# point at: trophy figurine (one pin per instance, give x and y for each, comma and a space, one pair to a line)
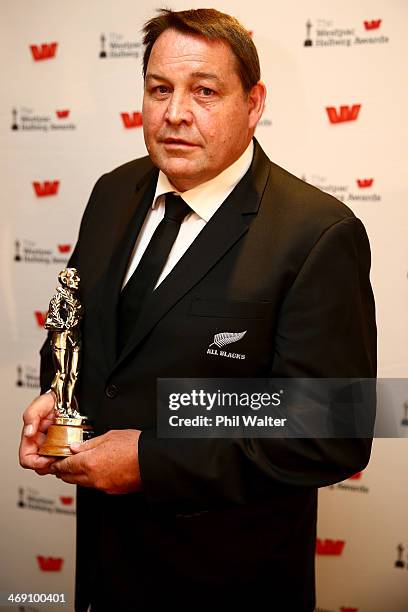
63, 319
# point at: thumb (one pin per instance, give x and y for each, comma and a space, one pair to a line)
80, 447
40, 409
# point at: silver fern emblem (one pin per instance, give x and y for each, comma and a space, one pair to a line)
227, 338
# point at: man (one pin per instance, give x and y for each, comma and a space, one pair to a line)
205, 523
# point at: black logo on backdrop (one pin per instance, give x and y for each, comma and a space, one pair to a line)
326, 33
308, 41
31, 499
27, 119
102, 52
17, 254
27, 377
116, 45
14, 125
400, 552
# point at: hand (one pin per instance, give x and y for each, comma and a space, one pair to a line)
108, 463
37, 418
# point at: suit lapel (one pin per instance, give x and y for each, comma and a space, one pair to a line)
131, 221
223, 230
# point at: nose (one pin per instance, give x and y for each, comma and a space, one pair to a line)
178, 109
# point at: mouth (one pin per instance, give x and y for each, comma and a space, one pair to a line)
178, 142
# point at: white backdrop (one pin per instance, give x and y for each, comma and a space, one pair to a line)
67, 103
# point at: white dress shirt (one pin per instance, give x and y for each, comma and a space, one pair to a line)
204, 200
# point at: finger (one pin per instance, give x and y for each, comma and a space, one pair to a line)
42, 408
79, 447
36, 462
70, 465
44, 471
28, 451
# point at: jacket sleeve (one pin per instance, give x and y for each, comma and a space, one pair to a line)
326, 329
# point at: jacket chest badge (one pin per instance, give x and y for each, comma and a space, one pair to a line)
223, 339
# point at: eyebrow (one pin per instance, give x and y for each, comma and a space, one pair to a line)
196, 75
205, 75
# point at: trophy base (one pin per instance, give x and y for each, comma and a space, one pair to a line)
65, 432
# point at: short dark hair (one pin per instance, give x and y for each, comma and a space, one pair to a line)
211, 24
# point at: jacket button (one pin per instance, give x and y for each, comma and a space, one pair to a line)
111, 391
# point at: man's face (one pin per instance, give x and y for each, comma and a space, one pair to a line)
197, 119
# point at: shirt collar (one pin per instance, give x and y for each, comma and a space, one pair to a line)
206, 198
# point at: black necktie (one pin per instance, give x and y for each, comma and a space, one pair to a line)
143, 280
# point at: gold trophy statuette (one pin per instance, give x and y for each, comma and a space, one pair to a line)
63, 318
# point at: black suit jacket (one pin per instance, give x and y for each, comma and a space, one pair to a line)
219, 521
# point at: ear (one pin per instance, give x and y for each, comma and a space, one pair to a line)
256, 103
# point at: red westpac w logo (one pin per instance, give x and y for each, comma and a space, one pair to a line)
132, 120
344, 113
343, 609
64, 248
365, 182
44, 51
62, 114
47, 188
66, 501
329, 547
40, 317
374, 24
356, 476
50, 564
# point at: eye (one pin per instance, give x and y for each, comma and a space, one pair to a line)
161, 89
206, 91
